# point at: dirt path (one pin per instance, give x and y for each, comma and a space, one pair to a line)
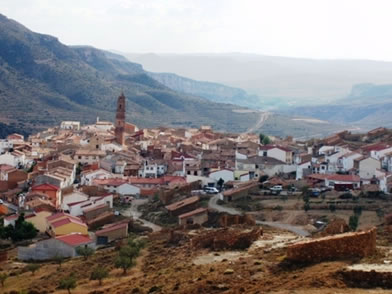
136, 214
263, 118
213, 204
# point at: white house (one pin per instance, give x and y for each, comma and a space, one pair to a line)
302, 170
367, 167
5, 145
278, 152
70, 125
152, 170
224, 174
16, 159
346, 161
87, 178
73, 197
379, 153
77, 208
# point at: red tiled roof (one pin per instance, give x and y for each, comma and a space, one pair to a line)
110, 182
150, 181
375, 147
6, 167
193, 212
182, 203
95, 207
344, 178
111, 228
67, 220
74, 239
45, 187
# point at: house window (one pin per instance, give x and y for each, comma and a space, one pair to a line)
265, 153
80, 157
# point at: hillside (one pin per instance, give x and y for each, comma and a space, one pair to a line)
43, 81
212, 91
280, 81
366, 106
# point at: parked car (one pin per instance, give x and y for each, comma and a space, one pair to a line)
211, 190
1, 201
277, 188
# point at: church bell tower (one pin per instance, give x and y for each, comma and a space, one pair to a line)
120, 120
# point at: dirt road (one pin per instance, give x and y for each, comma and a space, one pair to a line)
263, 118
135, 214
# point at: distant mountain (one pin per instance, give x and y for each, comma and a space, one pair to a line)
212, 91
281, 81
42, 82
367, 106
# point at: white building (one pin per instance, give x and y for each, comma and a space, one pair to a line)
224, 174
5, 145
87, 178
70, 125
367, 167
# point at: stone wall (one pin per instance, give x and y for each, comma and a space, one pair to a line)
225, 239
227, 220
340, 246
370, 278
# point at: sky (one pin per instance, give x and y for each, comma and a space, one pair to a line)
343, 29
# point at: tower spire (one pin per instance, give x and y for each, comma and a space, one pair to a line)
120, 119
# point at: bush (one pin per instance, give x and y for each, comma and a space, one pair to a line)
123, 262
332, 207
353, 222
99, 274
86, 252
3, 277
68, 284
346, 196
357, 210
32, 268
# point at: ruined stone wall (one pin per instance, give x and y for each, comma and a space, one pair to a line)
225, 239
340, 246
367, 279
228, 220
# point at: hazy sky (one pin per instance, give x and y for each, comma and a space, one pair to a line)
302, 28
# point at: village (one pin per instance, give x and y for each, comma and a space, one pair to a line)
99, 185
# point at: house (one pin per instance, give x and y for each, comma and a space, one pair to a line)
118, 186
62, 246
72, 197
83, 156
240, 191
5, 145
197, 216
259, 165
224, 174
4, 170
52, 192
15, 158
183, 206
77, 208
112, 232
38, 218
342, 182
87, 177
303, 169
64, 224
367, 166
97, 214
70, 125
278, 152
16, 138
152, 169
346, 162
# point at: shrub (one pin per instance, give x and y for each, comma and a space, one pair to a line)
86, 252
123, 262
3, 277
68, 283
99, 274
353, 222
32, 268
332, 207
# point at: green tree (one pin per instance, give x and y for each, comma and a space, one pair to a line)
306, 206
353, 222
264, 139
380, 213
21, 231
357, 210
332, 207
99, 274
86, 252
220, 183
3, 277
32, 268
123, 262
68, 283
59, 260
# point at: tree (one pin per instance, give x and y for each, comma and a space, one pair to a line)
21, 231
59, 260
86, 252
99, 274
353, 222
123, 262
357, 210
32, 268
264, 139
332, 207
3, 277
220, 183
380, 213
306, 206
68, 283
